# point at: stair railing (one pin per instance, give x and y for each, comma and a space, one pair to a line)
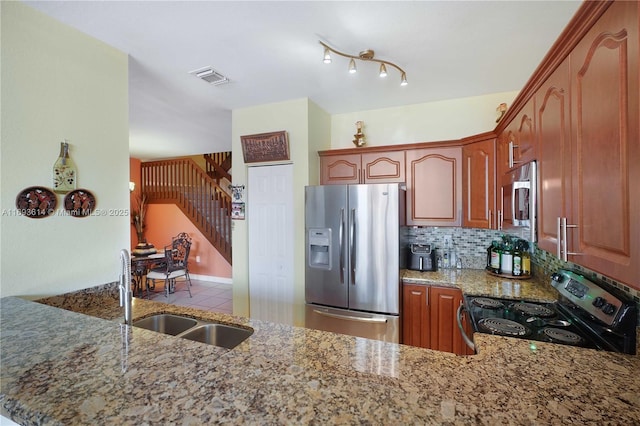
184, 183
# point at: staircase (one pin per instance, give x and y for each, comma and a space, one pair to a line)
199, 196
218, 165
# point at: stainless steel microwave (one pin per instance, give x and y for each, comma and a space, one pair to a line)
518, 202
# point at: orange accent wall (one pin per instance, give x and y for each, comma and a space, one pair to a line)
164, 221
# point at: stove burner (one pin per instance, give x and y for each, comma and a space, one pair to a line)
503, 327
563, 336
533, 309
485, 303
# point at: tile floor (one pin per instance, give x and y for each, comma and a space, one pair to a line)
208, 296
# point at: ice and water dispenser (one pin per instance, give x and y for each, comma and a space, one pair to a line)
319, 248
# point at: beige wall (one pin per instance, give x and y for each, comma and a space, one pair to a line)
428, 122
297, 117
60, 84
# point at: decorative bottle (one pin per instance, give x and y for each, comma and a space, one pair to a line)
64, 171
496, 254
506, 257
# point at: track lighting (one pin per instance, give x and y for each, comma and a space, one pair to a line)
327, 56
383, 70
352, 66
365, 55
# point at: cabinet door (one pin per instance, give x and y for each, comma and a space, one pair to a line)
606, 145
445, 334
415, 315
554, 150
434, 186
383, 167
502, 152
516, 144
524, 150
479, 185
340, 169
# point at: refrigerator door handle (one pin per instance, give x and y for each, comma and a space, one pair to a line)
352, 246
341, 245
350, 318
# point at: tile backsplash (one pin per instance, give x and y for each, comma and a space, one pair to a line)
471, 246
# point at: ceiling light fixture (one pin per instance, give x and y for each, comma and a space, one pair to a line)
365, 55
383, 70
327, 56
352, 66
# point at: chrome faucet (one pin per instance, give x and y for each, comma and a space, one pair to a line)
126, 295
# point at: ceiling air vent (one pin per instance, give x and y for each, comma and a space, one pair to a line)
210, 75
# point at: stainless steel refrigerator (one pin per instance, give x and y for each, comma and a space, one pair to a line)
352, 275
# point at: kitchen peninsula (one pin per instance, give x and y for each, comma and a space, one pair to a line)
61, 367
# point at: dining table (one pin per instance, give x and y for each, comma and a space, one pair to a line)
140, 266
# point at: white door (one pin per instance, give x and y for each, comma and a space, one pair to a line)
270, 226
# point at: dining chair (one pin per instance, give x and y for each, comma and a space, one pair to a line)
175, 265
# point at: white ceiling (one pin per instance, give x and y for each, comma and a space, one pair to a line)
270, 52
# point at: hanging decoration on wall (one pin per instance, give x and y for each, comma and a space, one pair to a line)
79, 203
36, 202
64, 171
237, 203
358, 138
263, 147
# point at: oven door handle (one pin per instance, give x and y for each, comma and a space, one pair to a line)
466, 339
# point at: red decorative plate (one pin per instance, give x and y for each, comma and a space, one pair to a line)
79, 203
36, 202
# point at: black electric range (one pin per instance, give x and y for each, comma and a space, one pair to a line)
588, 314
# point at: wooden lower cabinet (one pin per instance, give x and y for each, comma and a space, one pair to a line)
415, 315
429, 318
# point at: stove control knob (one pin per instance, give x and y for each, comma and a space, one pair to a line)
598, 302
608, 309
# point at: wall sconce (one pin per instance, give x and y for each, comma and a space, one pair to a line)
132, 186
359, 136
365, 55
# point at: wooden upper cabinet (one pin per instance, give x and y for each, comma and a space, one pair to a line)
374, 167
383, 167
555, 156
415, 315
606, 146
340, 169
434, 186
479, 185
516, 144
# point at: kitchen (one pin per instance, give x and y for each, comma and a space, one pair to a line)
497, 357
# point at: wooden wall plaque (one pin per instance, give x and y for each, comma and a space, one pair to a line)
263, 147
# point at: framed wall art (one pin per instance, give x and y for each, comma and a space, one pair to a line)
264, 147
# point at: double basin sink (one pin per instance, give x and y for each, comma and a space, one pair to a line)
226, 336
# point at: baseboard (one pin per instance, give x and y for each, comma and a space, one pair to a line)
209, 278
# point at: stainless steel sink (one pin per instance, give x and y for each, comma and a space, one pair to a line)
226, 336
223, 335
166, 323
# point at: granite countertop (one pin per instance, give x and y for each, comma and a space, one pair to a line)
61, 367
478, 282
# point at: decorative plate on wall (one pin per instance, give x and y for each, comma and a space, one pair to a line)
36, 202
79, 203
